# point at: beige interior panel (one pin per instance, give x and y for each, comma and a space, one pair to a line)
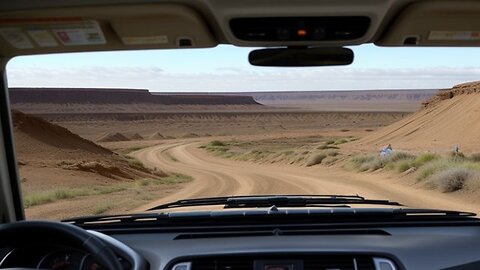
435, 23
156, 26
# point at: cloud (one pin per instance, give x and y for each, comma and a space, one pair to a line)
243, 79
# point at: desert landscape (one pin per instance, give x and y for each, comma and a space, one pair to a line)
104, 151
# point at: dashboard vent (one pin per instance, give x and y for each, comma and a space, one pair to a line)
279, 232
286, 262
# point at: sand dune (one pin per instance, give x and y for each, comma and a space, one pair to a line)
136, 137
29, 128
447, 120
156, 136
114, 137
51, 156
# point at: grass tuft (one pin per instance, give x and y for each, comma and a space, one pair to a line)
434, 167
425, 158
102, 208
43, 197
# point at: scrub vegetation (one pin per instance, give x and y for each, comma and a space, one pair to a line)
62, 193
445, 173
305, 151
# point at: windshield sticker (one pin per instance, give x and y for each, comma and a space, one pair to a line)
16, 38
454, 35
43, 38
145, 40
82, 33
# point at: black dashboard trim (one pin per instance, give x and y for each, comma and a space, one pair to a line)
398, 264
200, 235
468, 266
156, 228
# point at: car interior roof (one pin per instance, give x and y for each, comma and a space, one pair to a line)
129, 25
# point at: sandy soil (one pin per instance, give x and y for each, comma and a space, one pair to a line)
64, 175
54, 159
215, 176
172, 139
450, 119
184, 125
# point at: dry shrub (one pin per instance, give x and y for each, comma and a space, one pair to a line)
316, 159
451, 180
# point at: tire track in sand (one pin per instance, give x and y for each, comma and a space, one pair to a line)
214, 176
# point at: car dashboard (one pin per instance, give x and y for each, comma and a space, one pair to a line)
376, 249
392, 248
287, 239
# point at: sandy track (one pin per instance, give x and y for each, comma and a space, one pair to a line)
214, 176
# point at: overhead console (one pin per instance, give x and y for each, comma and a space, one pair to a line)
300, 29
435, 23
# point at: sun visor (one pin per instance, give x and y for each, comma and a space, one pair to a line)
452, 23
103, 29
182, 28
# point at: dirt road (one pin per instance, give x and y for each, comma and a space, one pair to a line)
214, 176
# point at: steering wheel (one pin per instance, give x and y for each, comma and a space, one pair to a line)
28, 232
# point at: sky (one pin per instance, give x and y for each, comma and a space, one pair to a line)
225, 68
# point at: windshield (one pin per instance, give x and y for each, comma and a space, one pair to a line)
123, 132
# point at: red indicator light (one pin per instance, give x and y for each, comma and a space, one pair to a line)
302, 32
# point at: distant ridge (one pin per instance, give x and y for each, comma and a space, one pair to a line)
342, 100
120, 96
397, 95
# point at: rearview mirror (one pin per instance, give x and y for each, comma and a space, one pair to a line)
301, 57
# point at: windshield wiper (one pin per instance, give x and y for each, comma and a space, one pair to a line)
277, 201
